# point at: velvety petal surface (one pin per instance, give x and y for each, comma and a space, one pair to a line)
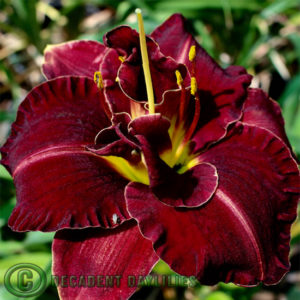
260, 110
221, 91
119, 101
59, 183
131, 77
102, 254
78, 58
174, 38
242, 234
116, 140
154, 128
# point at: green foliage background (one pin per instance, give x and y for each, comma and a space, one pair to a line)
262, 36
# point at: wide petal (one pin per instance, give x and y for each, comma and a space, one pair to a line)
221, 91
174, 38
242, 234
117, 99
77, 58
116, 256
260, 110
59, 183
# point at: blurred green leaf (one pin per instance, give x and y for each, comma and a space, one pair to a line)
206, 39
290, 102
192, 5
123, 10
6, 295
24, 17
295, 233
40, 259
294, 293
9, 247
36, 237
218, 296
278, 7
162, 268
6, 116
295, 39
4, 173
230, 286
6, 209
43, 262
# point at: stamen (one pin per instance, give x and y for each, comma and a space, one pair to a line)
195, 120
122, 58
192, 53
182, 147
193, 86
182, 104
179, 78
98, 79
145, 60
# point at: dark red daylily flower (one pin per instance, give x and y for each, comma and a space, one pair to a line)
207, 183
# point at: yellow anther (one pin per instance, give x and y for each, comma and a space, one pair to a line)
179, 78
117, 79
192, 53
193, 86
122, 58
98, 79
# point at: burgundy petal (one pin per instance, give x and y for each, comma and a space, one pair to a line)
173, 38
78, 58
170, 105
221, 91
119, 254
59, 183
119, 101
116, 141
162, 70
154, 128
242, 234
190, 189
131, 77
175, 100
260, 110
123, 38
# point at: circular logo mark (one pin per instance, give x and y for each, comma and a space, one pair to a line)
25, 280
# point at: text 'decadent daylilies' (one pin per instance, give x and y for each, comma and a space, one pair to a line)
207, 183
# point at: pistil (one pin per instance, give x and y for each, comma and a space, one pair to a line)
145, 61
